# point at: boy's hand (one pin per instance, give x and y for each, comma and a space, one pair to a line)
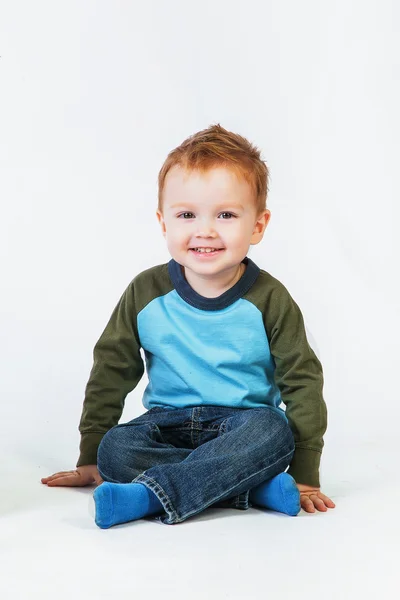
312, 498
85, 475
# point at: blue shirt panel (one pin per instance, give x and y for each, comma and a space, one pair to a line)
206, 357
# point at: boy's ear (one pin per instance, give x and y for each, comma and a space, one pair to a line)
260, 226
162, 222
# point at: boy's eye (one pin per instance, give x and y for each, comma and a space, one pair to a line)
224, 213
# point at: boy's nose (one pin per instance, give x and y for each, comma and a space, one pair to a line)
205, 228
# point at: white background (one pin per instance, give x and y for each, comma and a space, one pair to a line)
93, 95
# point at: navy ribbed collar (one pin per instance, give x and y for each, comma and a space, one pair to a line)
190, 296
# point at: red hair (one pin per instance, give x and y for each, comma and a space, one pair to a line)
217, 147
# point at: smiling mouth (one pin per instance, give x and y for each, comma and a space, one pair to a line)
206, 252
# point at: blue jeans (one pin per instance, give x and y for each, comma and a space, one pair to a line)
195, 458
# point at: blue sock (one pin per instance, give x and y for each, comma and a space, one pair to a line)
279, 493
122, 502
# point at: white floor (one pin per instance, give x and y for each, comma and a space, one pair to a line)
50, 546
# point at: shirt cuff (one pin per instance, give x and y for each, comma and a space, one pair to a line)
88, 448
304, 467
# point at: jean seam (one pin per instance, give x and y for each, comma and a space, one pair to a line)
222, 429
195, 425
160, 493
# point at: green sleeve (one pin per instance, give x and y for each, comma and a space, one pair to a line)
117, 369
299, 377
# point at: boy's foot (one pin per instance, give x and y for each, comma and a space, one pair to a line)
122, 502
279, 493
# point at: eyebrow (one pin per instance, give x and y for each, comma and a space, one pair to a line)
227, 205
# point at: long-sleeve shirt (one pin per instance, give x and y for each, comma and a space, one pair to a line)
246, 348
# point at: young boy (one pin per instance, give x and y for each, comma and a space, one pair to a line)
224, 344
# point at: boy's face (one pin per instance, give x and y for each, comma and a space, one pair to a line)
213, 209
